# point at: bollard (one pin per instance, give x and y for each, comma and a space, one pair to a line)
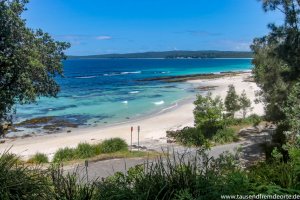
86, 163
138, 138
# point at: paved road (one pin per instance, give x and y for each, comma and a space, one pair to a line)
250, 145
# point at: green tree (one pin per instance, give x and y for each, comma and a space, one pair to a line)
292, 111
208, 114
277, 57
29, 60
232, 101
245, 103
277, 61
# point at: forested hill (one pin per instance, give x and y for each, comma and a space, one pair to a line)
173, 54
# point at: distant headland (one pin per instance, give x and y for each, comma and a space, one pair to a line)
173, 55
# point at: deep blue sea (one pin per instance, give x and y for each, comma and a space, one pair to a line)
106, 91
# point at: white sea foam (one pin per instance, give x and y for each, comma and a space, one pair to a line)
83, 77
136, 72
134, 92
122, 73
125, 102
159, 103
169, 108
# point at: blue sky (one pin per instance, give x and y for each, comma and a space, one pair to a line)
122, 26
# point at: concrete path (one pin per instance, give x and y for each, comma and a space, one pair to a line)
249, 145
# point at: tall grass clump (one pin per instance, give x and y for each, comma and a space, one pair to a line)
64, 154
225, 135
113, 145
177, 177
70, 185
39, 158
85, 150
20, 182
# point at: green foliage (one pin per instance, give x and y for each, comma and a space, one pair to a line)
253, 119
201, 177
69, 185
225, 135
244, 103
39, 158
208, 110
277, 60
169, 177
232, 101
20, 182
188, 136
64, 154
113, 145
85, 150
292, 110
29, 59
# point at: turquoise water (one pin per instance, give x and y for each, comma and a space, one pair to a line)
107, 91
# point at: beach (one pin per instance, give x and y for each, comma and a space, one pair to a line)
153, 127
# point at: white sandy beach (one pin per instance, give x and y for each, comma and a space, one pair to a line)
152, 128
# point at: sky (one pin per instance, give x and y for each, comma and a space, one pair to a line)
125, 26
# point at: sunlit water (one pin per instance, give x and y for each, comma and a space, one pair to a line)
107, 91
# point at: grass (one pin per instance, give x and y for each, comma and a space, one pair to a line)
108, 149
175, 176
113, 145
38, 158
115, 155
64, 154
225, 135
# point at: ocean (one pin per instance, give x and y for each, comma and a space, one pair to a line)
98, 92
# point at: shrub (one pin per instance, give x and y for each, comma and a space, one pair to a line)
85, 150
254, 119
225, 135
113, 145
208, 110
20, 182
178, 177
232, 100
39, 158
64, 154
189, 136
70, 185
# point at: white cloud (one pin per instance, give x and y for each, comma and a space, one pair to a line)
103, 37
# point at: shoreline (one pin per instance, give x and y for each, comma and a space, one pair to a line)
153, 126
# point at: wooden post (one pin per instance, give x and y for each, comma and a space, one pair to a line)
131, 138
86, 163
138, 137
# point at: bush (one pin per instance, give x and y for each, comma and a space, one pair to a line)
189, 136
225, 135
39, 158
254, 119
70, 185
20, 182
181, 177
250, 120
113, 145
64, 154
85, 150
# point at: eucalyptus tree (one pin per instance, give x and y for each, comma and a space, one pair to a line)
277, 58
29, 60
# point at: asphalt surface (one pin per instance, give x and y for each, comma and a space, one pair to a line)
249, 146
